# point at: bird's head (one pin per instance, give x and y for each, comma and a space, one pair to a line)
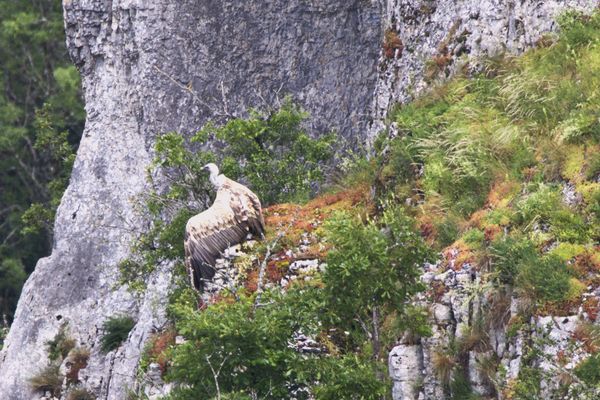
211, 168
214, 177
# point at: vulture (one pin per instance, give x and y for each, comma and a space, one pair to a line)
235, 213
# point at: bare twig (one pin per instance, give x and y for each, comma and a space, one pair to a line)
263, 267
216, 373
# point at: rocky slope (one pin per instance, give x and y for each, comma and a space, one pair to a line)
149, 69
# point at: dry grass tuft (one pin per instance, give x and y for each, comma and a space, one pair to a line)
48, 379
443, 364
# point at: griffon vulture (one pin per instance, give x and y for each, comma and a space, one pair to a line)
235, 213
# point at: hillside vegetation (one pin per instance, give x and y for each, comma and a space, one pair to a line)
497, 169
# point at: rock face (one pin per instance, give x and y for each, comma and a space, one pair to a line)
154, 67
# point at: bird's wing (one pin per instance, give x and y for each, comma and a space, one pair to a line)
247, 208
207, 235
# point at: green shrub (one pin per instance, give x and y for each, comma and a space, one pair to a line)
351, 377
474, 237
116, 330
546, 277
447, 231
527, 386
508, 254
372, 268
593, 169
460, 388
59, 347
545, 207
271, 150
250, 346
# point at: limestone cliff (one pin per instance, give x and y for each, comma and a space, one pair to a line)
153, 67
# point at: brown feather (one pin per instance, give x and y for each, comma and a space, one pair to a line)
235, 212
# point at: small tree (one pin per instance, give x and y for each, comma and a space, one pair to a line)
271, 150
372, 270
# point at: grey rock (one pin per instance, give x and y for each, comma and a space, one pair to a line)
442, 314
405, 368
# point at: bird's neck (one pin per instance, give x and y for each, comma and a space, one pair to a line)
217, 180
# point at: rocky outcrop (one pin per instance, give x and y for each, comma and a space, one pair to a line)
154, 67
481, 334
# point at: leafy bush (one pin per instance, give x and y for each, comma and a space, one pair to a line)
545, 206
589, 370
269, 150
508, 254
247, 349
372, 268
546, 277
273, 153
116, 330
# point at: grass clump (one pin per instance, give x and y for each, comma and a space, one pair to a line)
589, 370
116, 329
80, 394
48, 379
545, 277
78, 360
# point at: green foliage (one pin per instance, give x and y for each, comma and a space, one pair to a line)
41, 120
474, 237
528, 384
116, 329
59, 347
447, 230
545, 207
271, 150
508, 254
546, 277
372, 267
349, 377
589, 370
12, 277
516, 260
593, 169
460, 388
246, 349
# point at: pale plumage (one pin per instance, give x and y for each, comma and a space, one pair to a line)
235, 213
